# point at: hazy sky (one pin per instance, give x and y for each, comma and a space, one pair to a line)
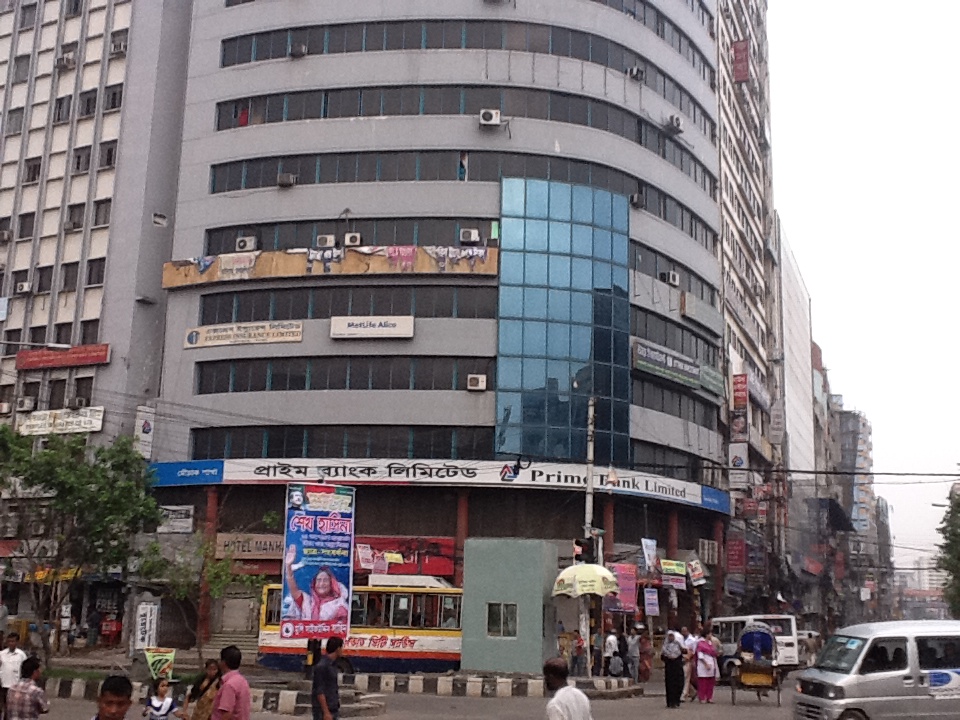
865, 148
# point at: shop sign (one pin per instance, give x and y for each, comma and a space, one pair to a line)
711, 380
242, 546
651, 602
673, 567
741, 395
677, 582
372, 327
665, 363
176, 519
736, 553
251, 333
78, 356
757, 390
739, 466
192, 472
61, 422
697, 577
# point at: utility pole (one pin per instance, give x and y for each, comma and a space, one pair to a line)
588, 529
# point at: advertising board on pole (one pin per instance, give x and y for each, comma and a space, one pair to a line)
317, 562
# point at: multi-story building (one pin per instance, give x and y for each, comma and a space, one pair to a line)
92, 93
413, 241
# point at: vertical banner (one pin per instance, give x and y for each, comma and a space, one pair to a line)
627, 580
649, 554
318, 562
651, 602
739, 459
143, 430
739, 421
741, 61
145, 633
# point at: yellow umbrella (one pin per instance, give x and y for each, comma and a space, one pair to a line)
578, 580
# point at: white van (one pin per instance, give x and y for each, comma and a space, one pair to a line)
905, 669
728, 629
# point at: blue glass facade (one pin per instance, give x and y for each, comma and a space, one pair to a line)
564, 317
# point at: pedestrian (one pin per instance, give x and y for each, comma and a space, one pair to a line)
4, 618
616, 665
633, 654
203, 691
672, 655
233, 698
622, 644
93, 627
567, 703
579, 656
325, 697
610, 646
26, 699
646, 659
115, 698
597, 653
707, 669
11, 660
690, 642
160, 703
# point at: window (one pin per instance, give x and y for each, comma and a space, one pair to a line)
31, 170
87, 106
11, 338
62, 333
83, 387
95, 271
112, 97
89, 332
938, 652
101, 213
61, 109
25, 226
400, 611
108, 154
886, 655
28, 17
81, 160
14, 123
73, 8
38, 335
501, 620
21, 69
74, 220
58, 394
69, 275
45, 279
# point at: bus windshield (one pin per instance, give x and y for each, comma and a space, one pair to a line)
840, 654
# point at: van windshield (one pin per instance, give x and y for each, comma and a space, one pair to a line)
840, 654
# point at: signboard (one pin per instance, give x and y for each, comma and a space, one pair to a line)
778, 422
739, 465
739, 421
711, 380
195, 472
251, 333
741, 394
244, 546
79, 356
736, 553
143, 430
404, 555
318, 562
673, 567
665, 363
61, 422
627, 580
160, 661
758, 391
651, 602
676, 582
176, 519
372, 327
145, 630
741, 61
697, 577
649, 546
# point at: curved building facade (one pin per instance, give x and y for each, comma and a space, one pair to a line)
413, 239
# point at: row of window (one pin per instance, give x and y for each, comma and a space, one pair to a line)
650, 262
665, 399
660, 330
86, 107
390, 231
452, 166
71, 9
340, 441
458, 100
660, 460
62, 334
341, 373
425, 301
456, 35
75, 219
82, 157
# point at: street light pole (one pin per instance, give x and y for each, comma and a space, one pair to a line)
588, 528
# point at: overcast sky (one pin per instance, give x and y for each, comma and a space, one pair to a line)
866, 155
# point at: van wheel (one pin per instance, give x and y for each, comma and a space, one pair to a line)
853, 715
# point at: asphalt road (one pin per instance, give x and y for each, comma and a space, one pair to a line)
416, 707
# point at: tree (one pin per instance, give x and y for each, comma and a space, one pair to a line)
949, 558
79, 510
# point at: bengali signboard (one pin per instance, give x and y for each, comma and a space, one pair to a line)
145, 631
739, 420
741, 61
673, 567
665, 363
318, 562
651, 602
711, 380
61, 422
375, 327
176, 519
78, 356
251, 333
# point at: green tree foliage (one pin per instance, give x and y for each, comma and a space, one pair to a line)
949, 558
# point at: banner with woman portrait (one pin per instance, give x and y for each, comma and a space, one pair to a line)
317, 561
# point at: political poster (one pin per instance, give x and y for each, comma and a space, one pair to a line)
651, 602
317, 562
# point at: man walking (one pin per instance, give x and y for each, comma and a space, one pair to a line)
567, 703
633, 654
610, 646
11, 660
26, 699
325, 697
115, 698
690, 642
233, 698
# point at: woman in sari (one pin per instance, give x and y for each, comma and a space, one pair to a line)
325, 600
672, 655
646, 659
707, 669
204, 691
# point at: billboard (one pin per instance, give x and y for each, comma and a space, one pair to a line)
317, 562
76, 356
247, 333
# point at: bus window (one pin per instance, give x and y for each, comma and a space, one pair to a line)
450, 612
426, 611
358, 609
274, 597
375, 610
401, 610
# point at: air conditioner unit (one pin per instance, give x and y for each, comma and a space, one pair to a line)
469, 236
286, 180
5, 408
489, 117
298, 50
709, 552
675, 124
6, 236
636, 73
636, 199
670, 278
325, 241
67, 61
118, 47
76, 403
71, 225
23, 288
26, 403
352, 240
476, 383
246, 243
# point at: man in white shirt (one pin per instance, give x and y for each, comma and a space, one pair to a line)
567, 703
11, 658
690, 642
610, 646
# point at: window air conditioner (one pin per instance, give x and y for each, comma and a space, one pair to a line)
490, 117
636, 73
23, 288
325, 241
67, 61
670, 278
246, 243
298, 50
636, 199
352, 240
286, 180
675, 124
476, 383
469, 236
26, 403
6, 408
118, 47
6, 236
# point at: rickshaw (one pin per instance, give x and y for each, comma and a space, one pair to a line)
755, 667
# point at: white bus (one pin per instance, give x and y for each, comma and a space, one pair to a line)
728, 629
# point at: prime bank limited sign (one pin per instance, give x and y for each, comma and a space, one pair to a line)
445, 473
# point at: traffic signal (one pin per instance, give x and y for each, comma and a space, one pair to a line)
585, 550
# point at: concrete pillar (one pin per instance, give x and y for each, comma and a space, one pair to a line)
209, 536
608, 534
719, 570
673, 535
463, 519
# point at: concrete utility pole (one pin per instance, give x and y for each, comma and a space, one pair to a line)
588, 529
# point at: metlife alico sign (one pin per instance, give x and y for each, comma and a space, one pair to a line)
371, 327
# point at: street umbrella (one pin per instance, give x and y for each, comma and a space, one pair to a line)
578, 580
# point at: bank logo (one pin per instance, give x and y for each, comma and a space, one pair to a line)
738, 462
508, 473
